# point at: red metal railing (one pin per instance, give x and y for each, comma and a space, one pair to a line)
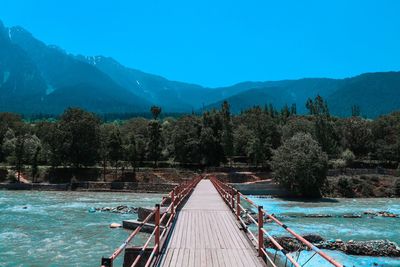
177, 195
233, 198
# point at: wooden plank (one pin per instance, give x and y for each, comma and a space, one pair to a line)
205, 234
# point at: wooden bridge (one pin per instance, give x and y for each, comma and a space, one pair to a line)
202, 225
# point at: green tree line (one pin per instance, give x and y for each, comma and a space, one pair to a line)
80, 139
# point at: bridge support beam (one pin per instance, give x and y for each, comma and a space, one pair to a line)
260, 232
237, 204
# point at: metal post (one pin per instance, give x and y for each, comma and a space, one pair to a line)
260, 232
233, 199
237, 204
106, 262
173, 201
157, 225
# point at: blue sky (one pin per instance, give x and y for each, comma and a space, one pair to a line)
221, 42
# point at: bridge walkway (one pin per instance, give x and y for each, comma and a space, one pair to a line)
206, 233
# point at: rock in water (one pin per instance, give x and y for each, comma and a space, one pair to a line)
92, 210
115, 225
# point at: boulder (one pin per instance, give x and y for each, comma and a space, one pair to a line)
115, 225
144, 212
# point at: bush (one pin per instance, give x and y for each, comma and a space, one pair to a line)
345, 187
398, 170
11, 177
338, 163
367, 190
3, 173
348, 157
300, 165
397, 188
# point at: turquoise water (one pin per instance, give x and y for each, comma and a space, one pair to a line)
56, 229
291, 213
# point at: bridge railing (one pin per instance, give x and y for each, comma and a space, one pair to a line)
234, 198
177, 196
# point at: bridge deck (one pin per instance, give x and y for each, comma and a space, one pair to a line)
206, 234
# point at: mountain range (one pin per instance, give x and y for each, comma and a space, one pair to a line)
40, 78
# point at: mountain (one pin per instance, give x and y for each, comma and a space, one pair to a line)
60, 80
278, 93
40, 78
259, 97
21, 84
172, 96
375, 94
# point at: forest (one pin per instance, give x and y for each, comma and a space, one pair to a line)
262, 137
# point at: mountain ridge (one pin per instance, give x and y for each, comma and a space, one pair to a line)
40, 78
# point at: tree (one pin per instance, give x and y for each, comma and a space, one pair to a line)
154, 143
227, 132
241, 136
318, 106
348, 157
9, 121
355, 111
140, 148
35, 164
386, 137
257, 152
211, 149
131, 152
103, 148
32, 150
81, 137
211, 138
296, 125
356, 135
52, 142
115, 150
155, 111
19, 155
300, 165
186, 140
324, 129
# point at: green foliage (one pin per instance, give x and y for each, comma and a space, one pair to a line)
154, 144
35, 163
355, 111
356, 135
300, 165
397, 188
324, 128
227, 132
186, 140
345, 187
115, 149
80, 133
348, 157
155, 111
79, 139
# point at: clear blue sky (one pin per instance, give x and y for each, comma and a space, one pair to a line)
221, 42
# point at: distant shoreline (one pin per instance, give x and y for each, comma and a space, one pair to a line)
120, 187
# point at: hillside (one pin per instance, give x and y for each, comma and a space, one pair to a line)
279, 93
374, 93
39, 78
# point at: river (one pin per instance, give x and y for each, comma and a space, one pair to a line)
56, 229
292, 212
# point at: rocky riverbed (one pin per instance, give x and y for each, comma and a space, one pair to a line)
119, 209
365, 214
377, 248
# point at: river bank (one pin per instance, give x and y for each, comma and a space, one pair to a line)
136, 187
